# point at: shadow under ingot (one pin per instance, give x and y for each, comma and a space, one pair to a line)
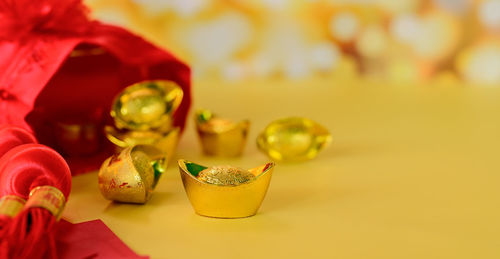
221, 137
131, 175
225, 201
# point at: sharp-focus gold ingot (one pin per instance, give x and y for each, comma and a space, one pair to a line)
131, 175
147, 105
166, 142
293, 139
225, 201
221, 137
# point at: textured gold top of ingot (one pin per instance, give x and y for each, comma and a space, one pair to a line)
147, 105
11, 205
225, 175
166, 142
131, 175
225, 201
47, 197
221, 137
293, 139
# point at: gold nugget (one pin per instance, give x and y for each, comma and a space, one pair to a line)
225, 175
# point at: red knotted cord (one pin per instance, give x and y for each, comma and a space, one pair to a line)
11, 137
23, 168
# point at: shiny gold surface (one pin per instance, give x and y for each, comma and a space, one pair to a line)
11, 205
131, 175
221, 137
49, 198
147, 105
225, 175
413, 174
166, 142
293, 139
225, 201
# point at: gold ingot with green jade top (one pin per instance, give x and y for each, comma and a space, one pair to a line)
225, 191
221, 137
131, 175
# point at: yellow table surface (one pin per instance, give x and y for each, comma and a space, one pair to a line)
413, 172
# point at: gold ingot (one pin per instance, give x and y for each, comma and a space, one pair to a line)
166, 142
221, 137
225, 201
131, 175
293, 139
147, 105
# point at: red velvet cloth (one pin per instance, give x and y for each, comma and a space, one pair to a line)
91, 239
45, 90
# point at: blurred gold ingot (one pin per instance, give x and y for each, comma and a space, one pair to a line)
225, 201
221, 137
165, 142
293, 139
147, 105
131, 175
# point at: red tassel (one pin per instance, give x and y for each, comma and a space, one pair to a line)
11, 137
22, 169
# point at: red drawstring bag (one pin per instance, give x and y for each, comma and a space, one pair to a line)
59, 73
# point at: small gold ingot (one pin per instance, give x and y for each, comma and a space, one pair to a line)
165, 142
225, 201
49, 198
11, 205
147, 105
131, 175
293, 139
221, 137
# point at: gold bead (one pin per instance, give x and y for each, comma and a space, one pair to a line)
293, 139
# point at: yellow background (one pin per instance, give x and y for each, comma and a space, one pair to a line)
413, 172
391, 40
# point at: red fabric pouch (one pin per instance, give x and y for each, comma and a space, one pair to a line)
59, 73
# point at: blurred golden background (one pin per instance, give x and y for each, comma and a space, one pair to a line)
454, 41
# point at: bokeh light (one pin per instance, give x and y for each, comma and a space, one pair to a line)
406, 40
